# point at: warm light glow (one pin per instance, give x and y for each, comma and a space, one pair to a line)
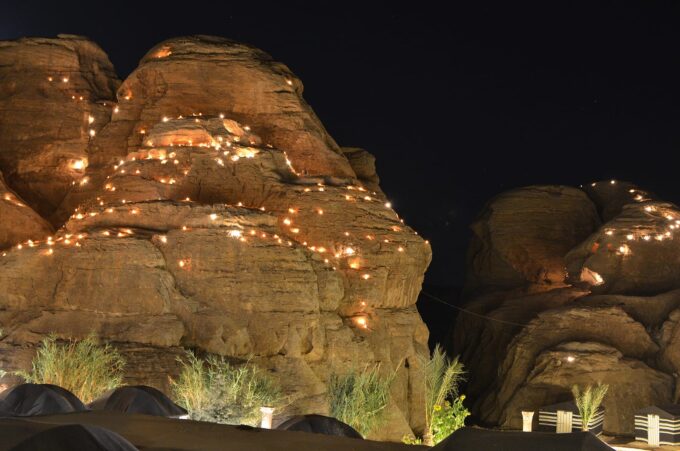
78, 164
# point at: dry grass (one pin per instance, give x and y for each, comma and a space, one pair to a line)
84, 367
359, 397
215, 390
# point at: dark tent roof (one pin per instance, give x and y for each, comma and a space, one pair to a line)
472, 439
5, 409
40, 399
566, 406
75, 437
138, 399
665, 410
319, 424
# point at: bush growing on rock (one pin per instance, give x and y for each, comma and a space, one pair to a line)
358, 397
215, 390
84, 367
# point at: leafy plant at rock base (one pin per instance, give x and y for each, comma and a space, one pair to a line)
215, 390
358, 397
442, 377
588, 401
411, 440
84, 367
448, 418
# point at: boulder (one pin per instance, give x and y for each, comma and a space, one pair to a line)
632, 384
216, 213
54, 94
614, 319
19, 222
635, 253
521, 237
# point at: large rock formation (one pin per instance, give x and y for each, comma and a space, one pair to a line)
569, 287
205, 207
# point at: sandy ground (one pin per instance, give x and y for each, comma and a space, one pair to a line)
155, 433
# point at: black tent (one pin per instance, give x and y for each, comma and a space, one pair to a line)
72, 437
40, 399
658, 425
472, 439
138, 399
319, 424
565, 415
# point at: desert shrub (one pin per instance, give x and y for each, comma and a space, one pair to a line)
84, 367
588, 401
215, 390
442, 377
448, 418
358, 397
411, 439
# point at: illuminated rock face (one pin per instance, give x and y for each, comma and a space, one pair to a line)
611, 317
216, 213
52, 93
18, 221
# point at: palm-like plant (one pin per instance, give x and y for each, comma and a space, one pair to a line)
588, 401
442, 377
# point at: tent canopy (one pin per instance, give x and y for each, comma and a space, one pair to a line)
664, 410
138, 399
39, 399
75, 437
472, 439
319, 424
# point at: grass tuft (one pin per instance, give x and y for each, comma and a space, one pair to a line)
84, 367
359, 397
214, 390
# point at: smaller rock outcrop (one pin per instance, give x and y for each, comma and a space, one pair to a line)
522, 235
577, 287
18, 222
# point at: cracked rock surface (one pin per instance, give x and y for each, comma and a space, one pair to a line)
199, 204
572, 286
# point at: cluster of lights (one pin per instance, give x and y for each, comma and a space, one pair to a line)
227, 147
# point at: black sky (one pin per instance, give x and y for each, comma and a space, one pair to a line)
458, 102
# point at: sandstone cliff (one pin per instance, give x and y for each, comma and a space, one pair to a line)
199, 203
575, 287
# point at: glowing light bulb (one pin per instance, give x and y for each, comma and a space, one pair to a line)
92, 132
388, 204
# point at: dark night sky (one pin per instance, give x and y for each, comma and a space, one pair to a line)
457, 103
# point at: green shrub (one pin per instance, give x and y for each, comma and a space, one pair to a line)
359, 397
411, 440
442, 377
448, 418
84, 367
215, 390
588, 401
